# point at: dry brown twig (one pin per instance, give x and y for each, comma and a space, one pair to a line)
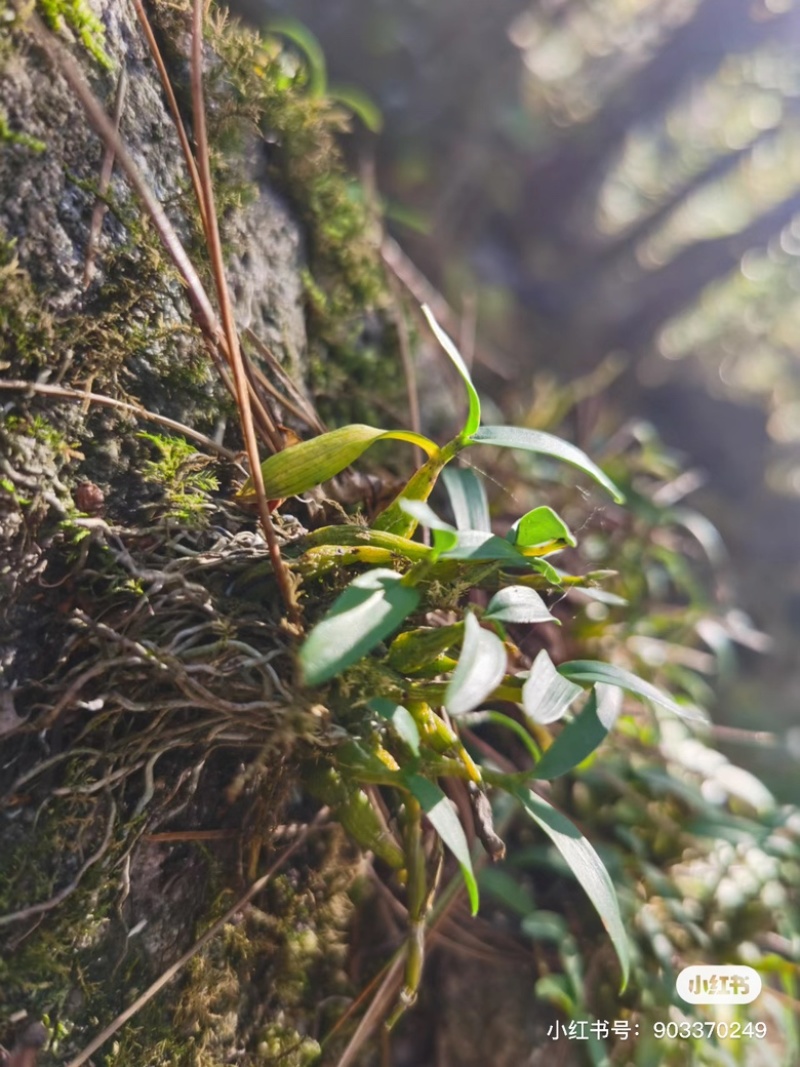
228, 325
60, 391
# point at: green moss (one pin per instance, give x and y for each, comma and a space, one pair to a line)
25, 328
182, 472
344, 284
9, 136
79, 17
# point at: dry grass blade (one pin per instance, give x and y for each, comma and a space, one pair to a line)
229, 327
190, 953
376, 1012
300, 407
166, 84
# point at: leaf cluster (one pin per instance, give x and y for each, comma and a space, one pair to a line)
414, 682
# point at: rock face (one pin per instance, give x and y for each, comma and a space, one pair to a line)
49, 194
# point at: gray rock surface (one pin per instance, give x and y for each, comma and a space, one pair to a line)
46, 198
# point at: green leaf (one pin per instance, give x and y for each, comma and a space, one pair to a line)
609, 704
307, 43
545, 694
369, 609
401, 719
467, 498
545, 444
479, 545
517, 603
360, 104
587, 867
474, 416
582, 736
302, 466
589, 671
442, 816
547, 570
444, 536
480, 669
539, 527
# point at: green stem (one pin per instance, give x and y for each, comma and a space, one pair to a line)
511, 724
393, 519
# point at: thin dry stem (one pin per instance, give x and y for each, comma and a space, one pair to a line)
104, 127
300, 406
42, 389
231, 336
166, 84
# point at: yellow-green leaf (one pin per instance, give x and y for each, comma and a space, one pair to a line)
301, 467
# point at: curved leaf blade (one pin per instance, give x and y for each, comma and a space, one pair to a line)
517, 603
309, 463
540, 526
467, 499
474, 415
587, 867
582, 736
546, 695
545, 444
369, 609
591, 671
480, 669
442, 816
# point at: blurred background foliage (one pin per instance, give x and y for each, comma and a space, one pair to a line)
614, 186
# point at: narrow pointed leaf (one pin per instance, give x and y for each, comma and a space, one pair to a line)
582, 736
444, 536
474, 416
590, 671
540, 526
467, 498
302, 466
545, 694
442, 816
587, 867
372, 606
545, 444
401, 719
480, 669
517, 603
